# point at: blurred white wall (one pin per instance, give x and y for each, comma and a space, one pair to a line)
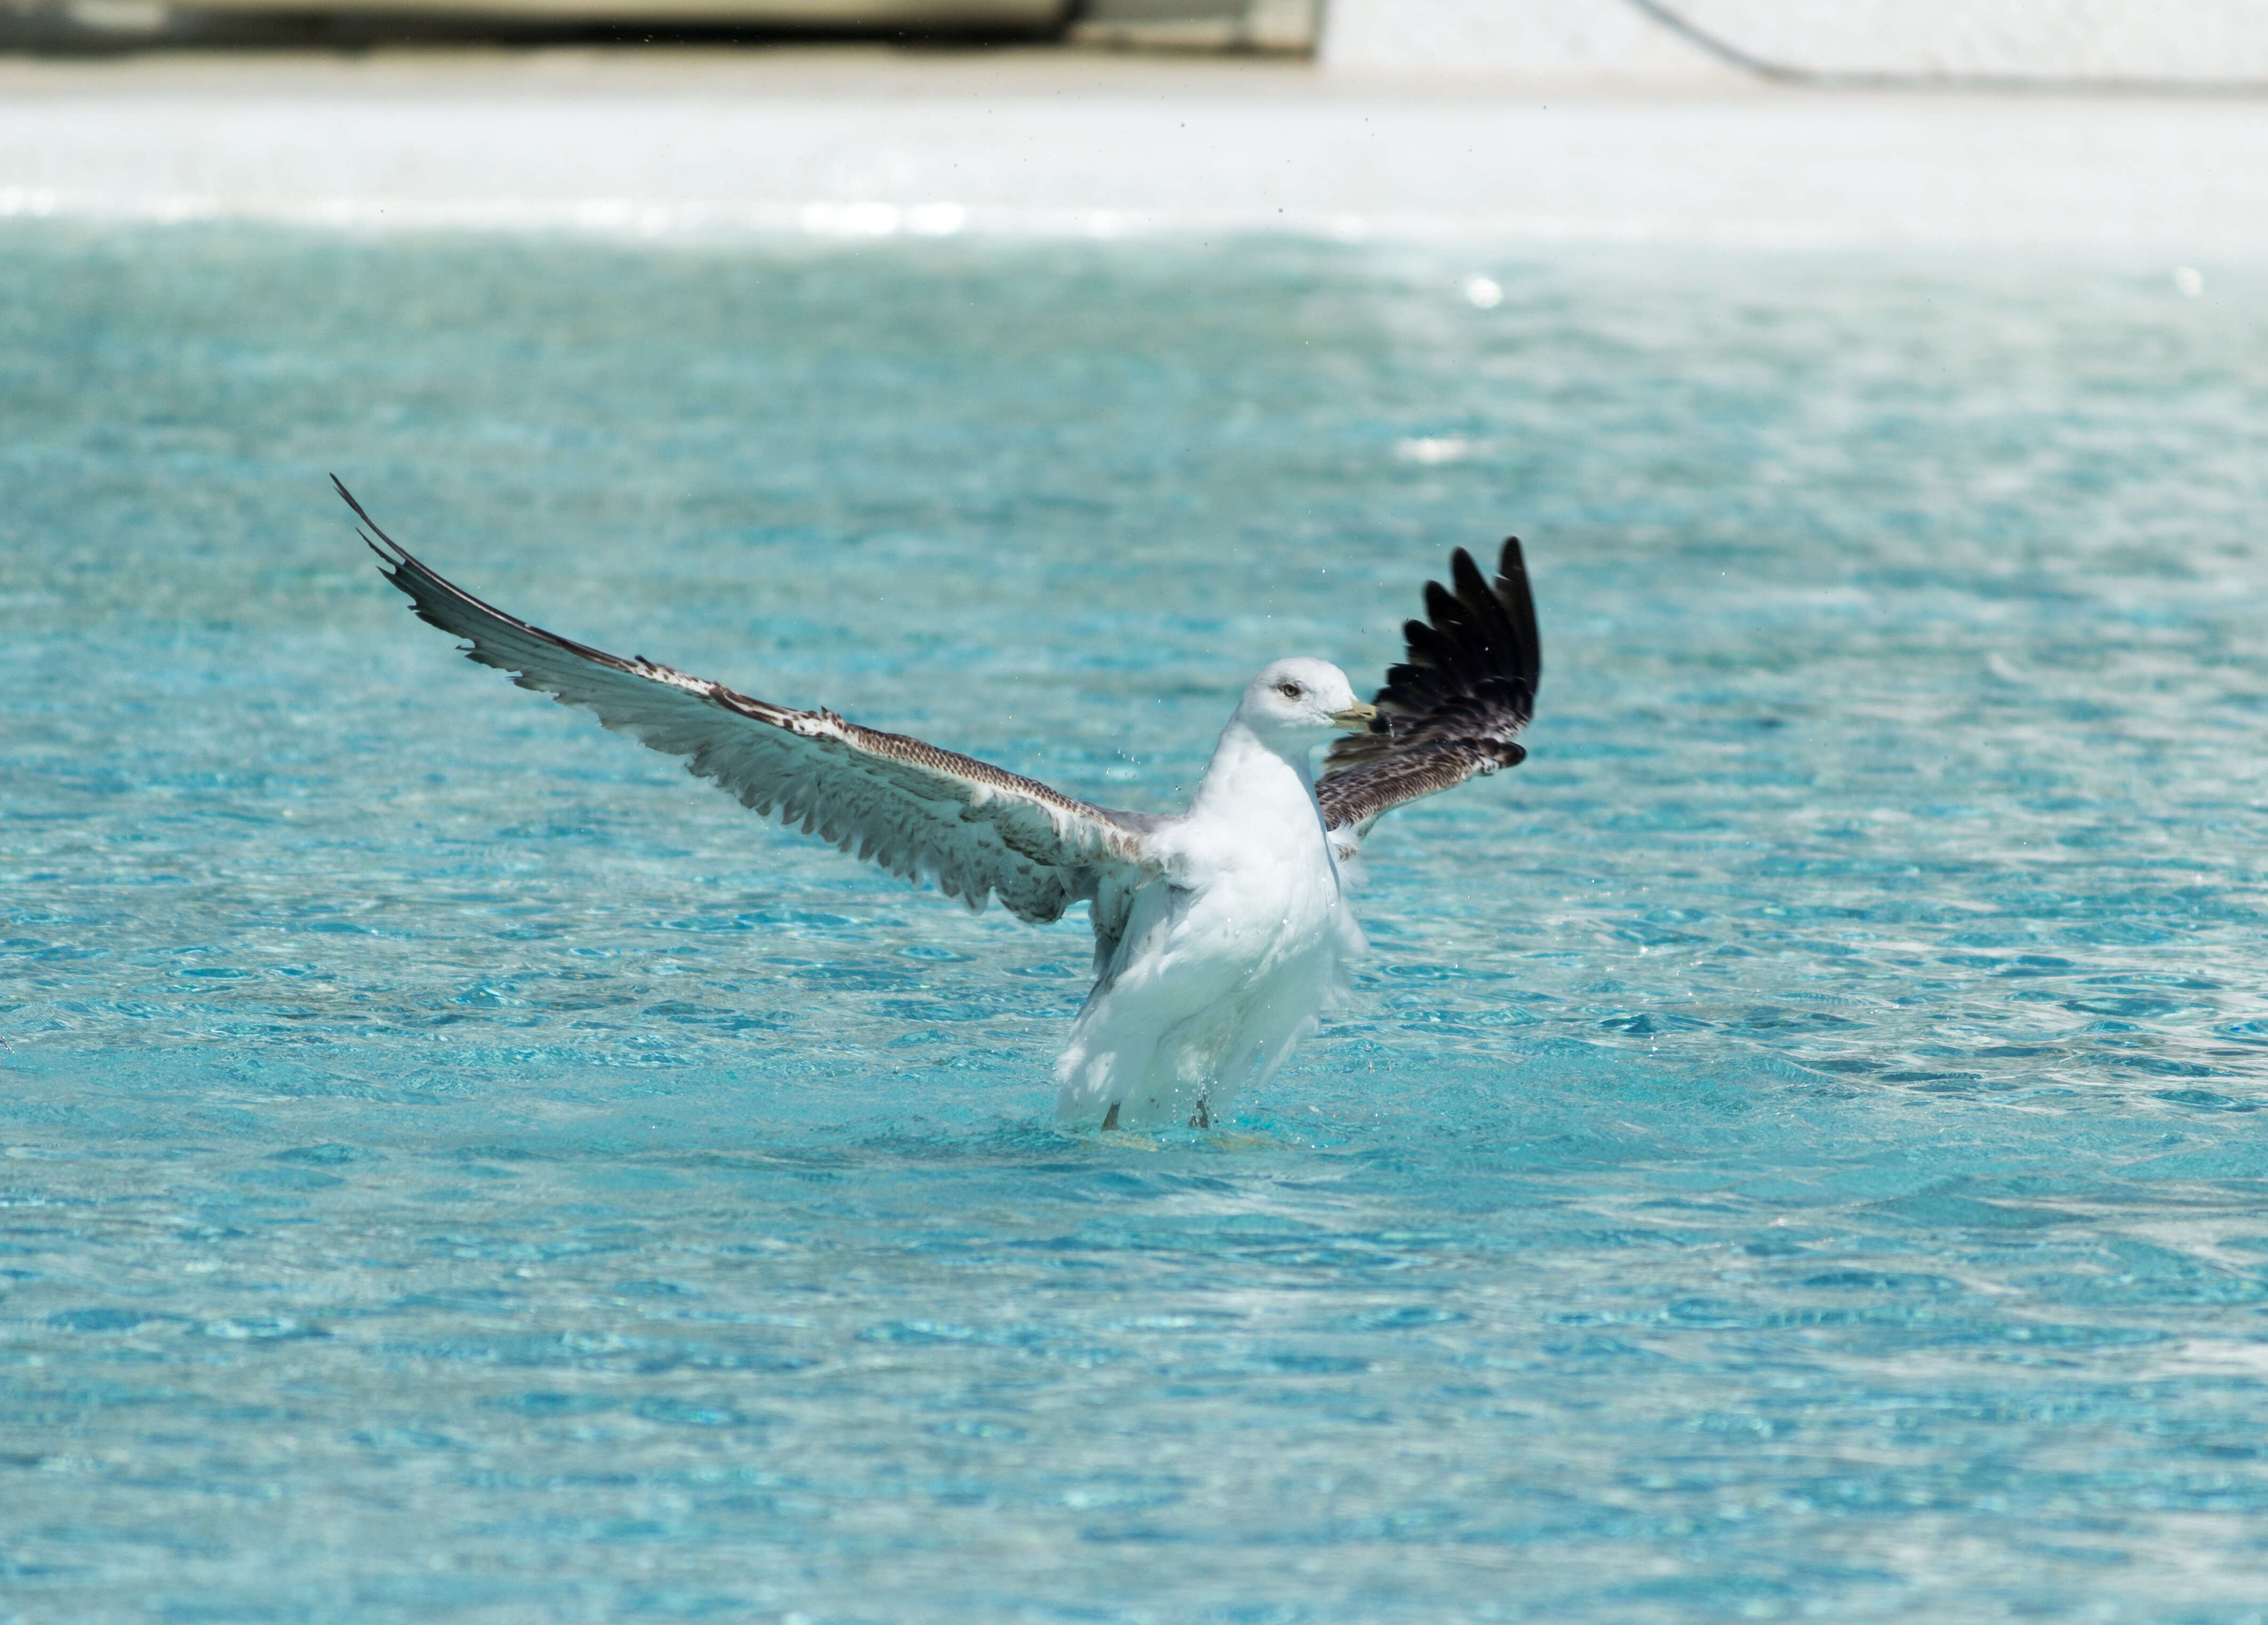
848, 144
2206, 43
1198, 25
1542, 39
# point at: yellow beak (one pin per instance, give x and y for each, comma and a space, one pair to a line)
1356, 719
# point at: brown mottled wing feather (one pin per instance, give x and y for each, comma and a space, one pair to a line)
917, 810
1450, 710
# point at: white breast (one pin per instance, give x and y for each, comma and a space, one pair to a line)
1228, 958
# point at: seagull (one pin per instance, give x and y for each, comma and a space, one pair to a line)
1221, 933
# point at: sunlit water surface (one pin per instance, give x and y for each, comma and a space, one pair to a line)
1792, 1152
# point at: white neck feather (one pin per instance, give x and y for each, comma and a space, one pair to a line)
1247, 776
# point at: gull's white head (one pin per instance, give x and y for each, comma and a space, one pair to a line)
1296, 705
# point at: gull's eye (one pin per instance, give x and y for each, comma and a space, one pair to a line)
1289, 691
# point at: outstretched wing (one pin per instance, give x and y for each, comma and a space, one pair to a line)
1450, 710
918, 811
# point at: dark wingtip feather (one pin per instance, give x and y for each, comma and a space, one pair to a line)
1466, 685
1512, 591
1465, 577
1441, 608
399, 552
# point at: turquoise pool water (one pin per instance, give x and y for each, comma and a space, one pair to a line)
1793, 1151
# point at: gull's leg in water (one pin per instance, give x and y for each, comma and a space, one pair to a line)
1201, 1118
1110, 1117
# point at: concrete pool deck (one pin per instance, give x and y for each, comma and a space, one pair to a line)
870, 141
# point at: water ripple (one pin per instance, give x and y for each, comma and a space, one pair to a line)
1793, 1150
